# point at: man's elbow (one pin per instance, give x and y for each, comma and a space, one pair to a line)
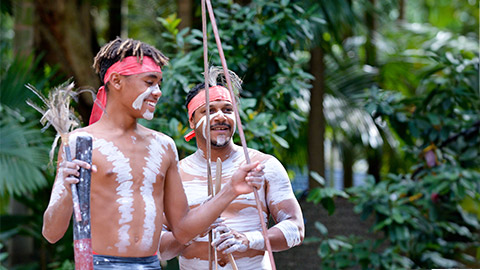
51, 237
181, 236
302, 233
165, 255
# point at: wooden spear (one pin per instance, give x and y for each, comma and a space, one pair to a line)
240, 128
207, 105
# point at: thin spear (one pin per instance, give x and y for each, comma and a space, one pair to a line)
240, 128
207, 105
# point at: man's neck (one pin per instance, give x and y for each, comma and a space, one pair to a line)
219, 152
118, 121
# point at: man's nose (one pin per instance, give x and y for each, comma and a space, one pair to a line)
156, 91
219, 116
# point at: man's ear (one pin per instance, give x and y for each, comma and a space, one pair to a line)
190, 121
115, 81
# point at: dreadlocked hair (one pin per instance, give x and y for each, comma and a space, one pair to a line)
116, 50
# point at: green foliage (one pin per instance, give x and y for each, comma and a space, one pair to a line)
22, 150
265, 54
325, 196
349, 252
429, 215
23, 156
23, 70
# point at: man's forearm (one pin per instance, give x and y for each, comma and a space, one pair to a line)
284, 235
199, 219
57, 218
169, 246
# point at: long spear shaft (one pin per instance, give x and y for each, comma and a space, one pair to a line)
240, 128
207, 104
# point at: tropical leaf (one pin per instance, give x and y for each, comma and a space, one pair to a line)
22, 155
23, 70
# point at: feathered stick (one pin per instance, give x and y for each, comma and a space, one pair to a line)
56, 113
216, 74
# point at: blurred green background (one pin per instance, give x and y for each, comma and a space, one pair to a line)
375, 103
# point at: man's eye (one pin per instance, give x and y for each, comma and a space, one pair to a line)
149, 83
229, 110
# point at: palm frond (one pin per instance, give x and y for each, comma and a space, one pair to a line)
22, 156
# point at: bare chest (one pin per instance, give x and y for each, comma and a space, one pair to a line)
120, 162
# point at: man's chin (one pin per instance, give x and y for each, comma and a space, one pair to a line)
221, 142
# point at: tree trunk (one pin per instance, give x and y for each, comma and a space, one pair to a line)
23, 12
370, 50
374, 159
401, 10
348, 157
115, 19
316, 119
185, 13
64, 33
374, 156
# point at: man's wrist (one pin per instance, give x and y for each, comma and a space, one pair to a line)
255, 240
229, 191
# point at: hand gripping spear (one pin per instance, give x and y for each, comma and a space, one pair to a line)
58, 114
218, 186
235, 107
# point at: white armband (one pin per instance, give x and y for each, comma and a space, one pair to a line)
290, 231
255, 240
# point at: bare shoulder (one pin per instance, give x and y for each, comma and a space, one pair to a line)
256, 155
91, 131
159, 137
274, 169
80, 132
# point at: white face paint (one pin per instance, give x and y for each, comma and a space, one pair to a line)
156, 150
222, 138
137, 104
121, 167
148, 115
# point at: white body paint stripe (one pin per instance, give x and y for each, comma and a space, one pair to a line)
124, 178
155, 153
290, 231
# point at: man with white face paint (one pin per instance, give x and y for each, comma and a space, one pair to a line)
240, 233
135, 183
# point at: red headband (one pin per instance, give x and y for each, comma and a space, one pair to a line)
128, 66
216, 93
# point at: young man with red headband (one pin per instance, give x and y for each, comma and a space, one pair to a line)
135, 174
240, 233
